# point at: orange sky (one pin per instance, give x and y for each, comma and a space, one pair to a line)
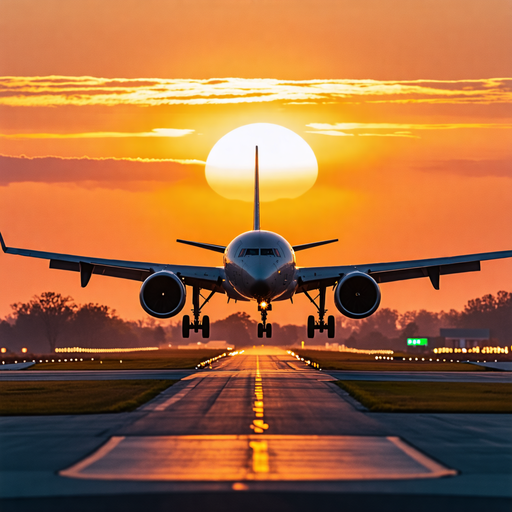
405, 104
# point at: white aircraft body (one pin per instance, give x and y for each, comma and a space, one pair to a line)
260, 265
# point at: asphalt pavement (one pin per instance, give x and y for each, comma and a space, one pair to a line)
258, 431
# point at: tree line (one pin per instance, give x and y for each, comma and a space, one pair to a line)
50, 320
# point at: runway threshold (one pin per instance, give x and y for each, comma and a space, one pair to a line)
240, 458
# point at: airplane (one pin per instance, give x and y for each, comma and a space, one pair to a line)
260, 266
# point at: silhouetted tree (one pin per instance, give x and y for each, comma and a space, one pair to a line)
53, 311
489, 312
428, 323
6, 334
409, 331
238, 329
383, 321
96, 325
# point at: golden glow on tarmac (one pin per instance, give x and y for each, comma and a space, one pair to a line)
256, 457
288, 166
278, 458
259, 456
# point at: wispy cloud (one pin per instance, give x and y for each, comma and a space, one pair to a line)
405, 126
394, 129
157, 132
114, 173
82, 91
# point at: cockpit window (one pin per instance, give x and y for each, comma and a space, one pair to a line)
256, 252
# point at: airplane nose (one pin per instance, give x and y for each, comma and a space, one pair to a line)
260, 289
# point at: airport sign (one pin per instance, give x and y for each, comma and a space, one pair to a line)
415, 342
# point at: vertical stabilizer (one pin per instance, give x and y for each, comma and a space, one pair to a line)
256, 194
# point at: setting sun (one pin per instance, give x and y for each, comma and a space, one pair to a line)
288, 166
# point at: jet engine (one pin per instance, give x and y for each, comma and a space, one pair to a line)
162, 294
357, 295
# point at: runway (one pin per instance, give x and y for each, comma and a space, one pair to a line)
226, 371
258, 428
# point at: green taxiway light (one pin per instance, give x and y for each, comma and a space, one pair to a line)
417, 341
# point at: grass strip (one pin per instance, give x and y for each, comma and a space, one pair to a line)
454, 397
169, 360
330, 360
77, 397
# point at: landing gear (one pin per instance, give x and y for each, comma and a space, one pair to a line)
263, 327
320, 325
311, 326
196, 325
185, 326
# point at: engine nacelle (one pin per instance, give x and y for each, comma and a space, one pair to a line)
162, 294
357, 295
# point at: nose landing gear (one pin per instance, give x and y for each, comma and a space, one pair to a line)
263, 327
196, 325
321, 325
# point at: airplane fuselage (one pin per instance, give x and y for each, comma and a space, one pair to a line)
260, 265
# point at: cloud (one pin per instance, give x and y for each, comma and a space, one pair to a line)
332, 133
395, 129
113, 173
83, 91
470, 167
156, 132
405, 126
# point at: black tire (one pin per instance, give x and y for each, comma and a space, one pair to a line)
331, 327
268, 331
185, 326
311, 326
206, 326
260, 330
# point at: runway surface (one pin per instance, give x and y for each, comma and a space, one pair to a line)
226, 371
260, 430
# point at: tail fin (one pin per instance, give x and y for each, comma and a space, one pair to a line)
256, 194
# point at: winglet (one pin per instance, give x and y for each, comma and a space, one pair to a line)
256, 194
2, 243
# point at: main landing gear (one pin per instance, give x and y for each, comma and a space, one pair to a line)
320, 325
263, 327
196, 325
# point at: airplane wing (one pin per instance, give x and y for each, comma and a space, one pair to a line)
205, 277
311, 278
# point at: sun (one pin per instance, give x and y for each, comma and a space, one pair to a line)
288, 166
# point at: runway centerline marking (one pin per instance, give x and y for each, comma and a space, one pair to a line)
258, 425
259, 456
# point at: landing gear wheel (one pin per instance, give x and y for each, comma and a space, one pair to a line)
260, 330
206, 327
268, 330
185, 326
311, 326
331, 326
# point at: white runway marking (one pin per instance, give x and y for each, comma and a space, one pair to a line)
161, 403
257, 457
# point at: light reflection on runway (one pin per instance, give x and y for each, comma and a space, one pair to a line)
255, 418
275, 458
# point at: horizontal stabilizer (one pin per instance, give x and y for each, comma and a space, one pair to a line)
312, 244
209, 247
